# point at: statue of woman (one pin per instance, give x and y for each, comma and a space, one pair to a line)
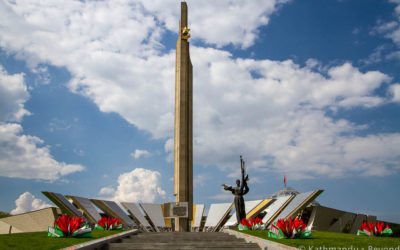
239, 191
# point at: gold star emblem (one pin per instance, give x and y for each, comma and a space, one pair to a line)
185, 33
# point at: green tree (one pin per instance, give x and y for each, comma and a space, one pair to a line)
4, 214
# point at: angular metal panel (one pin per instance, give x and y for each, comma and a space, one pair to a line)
248, 205
217, 214
275, 208
259, 208
298, 203
63, 204
137, 214
112, 208
155, 214
88, 208
198, 215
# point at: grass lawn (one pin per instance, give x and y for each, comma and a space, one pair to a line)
40, 240
338, 240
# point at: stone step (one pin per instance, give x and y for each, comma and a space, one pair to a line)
186, 234
185, 243
178, 238
180, 245
133, 240
182, 248
182, 240
204, 234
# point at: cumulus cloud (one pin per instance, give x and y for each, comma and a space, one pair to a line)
391, 30
21, 156
279, 118
107, 191
13, 95
220, 22
27, 202
273, 112
395, 91
105, 45
394, 26
140, 153
139, 185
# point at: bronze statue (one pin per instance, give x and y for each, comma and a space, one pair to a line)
239, 191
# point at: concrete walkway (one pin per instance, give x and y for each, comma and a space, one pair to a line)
181, 240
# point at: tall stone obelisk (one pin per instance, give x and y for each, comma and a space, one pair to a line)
183, 138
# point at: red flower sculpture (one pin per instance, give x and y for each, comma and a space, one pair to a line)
377, 229
67, 224
255, 221
253, 224
289, 229
245, 222
109, 223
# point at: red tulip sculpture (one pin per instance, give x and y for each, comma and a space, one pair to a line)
66, 226
108, 223
244, 225
377, 229
289, 229
256, 223
253, 224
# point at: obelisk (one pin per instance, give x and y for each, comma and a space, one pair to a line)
183, 137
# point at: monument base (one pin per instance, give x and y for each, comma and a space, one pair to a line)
182, 225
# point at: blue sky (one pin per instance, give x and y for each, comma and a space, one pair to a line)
306, 89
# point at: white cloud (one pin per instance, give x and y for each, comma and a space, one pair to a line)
140, 153
391, 30
13, 95
223, 196
220, 22
107, 191
395, 91
279, 116
374, 155
27, 202
278, 120
200, 180
316, 148
22, 157
74, 31
139, 185
376, 56
393, 55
